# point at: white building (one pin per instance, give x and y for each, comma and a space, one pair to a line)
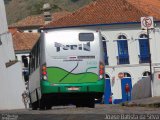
12, 86
126, 45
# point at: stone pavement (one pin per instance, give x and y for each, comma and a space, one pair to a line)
145, 102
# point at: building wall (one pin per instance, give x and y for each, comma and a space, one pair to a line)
134, 68
156, 82
7, 46
133, 44
3, 27
5, 36
12, 86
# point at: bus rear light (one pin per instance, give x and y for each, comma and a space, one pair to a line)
44, 68
44, 72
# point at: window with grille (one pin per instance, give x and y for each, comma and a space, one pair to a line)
105, 51
144, 49
123, 56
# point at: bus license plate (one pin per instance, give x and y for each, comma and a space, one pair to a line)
73, 88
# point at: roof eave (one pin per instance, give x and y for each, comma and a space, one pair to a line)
90, 25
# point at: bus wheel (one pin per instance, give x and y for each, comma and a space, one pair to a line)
91, 103
48, 107
42, 105
35, 106
79, 105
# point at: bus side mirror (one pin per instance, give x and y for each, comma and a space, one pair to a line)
25, 60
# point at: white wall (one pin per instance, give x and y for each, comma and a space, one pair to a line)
11, 83
134, 68
3, 21
133, 45
12, 88
7, 46
5, 36
156, 82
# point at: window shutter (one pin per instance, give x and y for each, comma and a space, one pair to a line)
144, 50
123, 52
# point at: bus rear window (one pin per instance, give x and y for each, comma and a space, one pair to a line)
86, 36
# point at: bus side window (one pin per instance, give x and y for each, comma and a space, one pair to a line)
35, 58
30, 64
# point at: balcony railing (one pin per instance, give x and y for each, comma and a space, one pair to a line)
144, 58
122, 60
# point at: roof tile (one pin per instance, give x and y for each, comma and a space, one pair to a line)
38, 20
24, 41
110, 11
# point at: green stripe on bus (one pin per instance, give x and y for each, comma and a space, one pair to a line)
59, 75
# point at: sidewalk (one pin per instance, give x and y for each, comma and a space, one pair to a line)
146, 102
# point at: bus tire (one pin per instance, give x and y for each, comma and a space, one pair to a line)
79, 105
35, 106
91, 103
48, 107
42, 105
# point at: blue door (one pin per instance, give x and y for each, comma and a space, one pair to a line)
126, 96
107, 92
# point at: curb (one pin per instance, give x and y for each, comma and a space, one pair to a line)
133, 104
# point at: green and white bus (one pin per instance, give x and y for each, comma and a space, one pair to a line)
66, 67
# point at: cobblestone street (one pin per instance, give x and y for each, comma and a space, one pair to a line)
73, 113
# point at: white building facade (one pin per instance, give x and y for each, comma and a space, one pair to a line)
127, 52
12, 86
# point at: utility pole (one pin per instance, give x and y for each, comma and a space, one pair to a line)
150, 59
147, 23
